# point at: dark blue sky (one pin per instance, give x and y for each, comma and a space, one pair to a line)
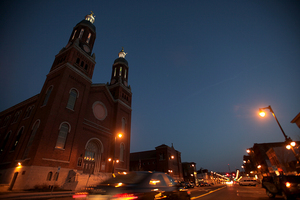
199, 70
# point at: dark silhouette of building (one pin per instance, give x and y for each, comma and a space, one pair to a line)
189, 171
66, 134
163, 159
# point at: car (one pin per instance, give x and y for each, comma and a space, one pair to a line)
286, 185
136, 185
248, 182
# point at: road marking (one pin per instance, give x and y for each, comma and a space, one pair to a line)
208, 193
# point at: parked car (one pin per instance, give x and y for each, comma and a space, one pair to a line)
248, 182
186, 184
136, 185
203, 183
286, 185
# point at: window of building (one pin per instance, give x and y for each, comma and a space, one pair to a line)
79, 162
88, 38
161, 156
6, 120
32, 135
120, 72
72, 99
17, 139
55, 177
122, 149
28, 111
62, 136
81, 33
49, 176
85, 67
47, 95
125, 73
115, 72
81, 64
78, 61
5, 141
74, 34
16, 117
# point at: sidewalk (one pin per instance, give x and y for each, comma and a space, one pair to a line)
34, 195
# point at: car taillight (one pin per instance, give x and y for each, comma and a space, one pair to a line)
288, 184
80, 195
124, 196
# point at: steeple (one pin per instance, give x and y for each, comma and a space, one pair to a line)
120, 70
78, 52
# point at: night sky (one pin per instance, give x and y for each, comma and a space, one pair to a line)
199, 70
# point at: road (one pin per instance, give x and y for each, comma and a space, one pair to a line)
219, 192
230, 192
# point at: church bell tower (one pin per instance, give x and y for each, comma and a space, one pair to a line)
78, 51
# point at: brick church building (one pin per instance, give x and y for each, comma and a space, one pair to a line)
67, 134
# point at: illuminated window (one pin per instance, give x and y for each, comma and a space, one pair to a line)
125, 73
120, 72
47, 95
81, 33
72, 99
88, 39
115, 72
90, 152
62, 136
74, 34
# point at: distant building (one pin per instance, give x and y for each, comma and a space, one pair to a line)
189, 172
265, 158
163, 159
66, 134
282, 159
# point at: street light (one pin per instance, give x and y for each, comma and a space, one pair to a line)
114, 154
290, 143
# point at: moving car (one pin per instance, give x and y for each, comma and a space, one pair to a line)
286, 185
136, 185
248, 182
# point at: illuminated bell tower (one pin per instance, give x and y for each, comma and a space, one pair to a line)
78, 51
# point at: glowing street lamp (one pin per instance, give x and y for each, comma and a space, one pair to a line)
114, 154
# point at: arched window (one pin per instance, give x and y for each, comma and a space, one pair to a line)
72, 99
16, 117
122, 149
81, 33
5, 141
47, 95
62, 136
74, 34
55, 177
32, 135
49, 176
88, 38
28, 111
123, 125
17, 139
6, 120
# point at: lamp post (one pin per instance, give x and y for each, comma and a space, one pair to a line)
290, 143
114, 154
